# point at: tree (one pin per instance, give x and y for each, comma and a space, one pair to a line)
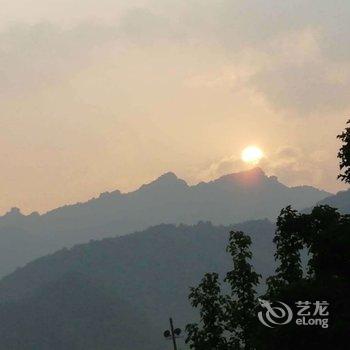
242, 303
326, 235
344, 155
227, 321
207, 296
288, 245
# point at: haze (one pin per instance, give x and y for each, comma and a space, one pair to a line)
98, 95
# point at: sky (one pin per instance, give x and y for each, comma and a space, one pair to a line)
110, 94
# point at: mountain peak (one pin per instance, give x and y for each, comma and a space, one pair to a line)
14, 212
255, 171
251, 175
169, 176
168, 179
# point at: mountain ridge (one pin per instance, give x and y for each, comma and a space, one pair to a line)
166, 178
340, 200
230, 199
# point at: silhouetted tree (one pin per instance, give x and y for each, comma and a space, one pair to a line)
326, 235
227, 321
207, 297
288, 245
242, 303
344, 155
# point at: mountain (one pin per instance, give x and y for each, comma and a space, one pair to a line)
341, 200
18, 246
229, 199
73, 313
149, 271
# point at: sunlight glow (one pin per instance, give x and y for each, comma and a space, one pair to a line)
252, 155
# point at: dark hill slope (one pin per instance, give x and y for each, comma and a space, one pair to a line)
76, 314
151, 270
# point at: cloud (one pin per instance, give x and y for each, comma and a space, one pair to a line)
34, 56
143, 27
299, 50
298, 77
222, 167
293, 166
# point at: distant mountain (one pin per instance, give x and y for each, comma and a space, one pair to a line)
18, 246
341, 200
150, 271
73, 313
230, 199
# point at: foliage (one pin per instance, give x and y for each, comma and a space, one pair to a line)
344, 155
227, 321
230, 321
207, 295
288, 246
326, 235
242, 303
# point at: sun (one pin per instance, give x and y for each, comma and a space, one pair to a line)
252, 155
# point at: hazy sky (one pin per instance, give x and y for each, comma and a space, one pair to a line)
103, 94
